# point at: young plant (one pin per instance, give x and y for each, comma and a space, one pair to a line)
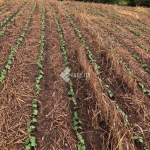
138, 139
30, 142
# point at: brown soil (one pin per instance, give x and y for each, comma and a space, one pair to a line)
103, 125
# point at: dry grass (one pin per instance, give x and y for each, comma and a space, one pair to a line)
1, 2
103, 125
128, 13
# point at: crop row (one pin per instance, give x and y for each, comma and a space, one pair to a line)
136, 26
144, 66
128, 37
76, 121
2, 32
138, 21
7, 67
138, 59
30, 142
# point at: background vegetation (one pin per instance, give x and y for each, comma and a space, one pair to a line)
123, 2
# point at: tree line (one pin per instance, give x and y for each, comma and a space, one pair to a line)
123, 2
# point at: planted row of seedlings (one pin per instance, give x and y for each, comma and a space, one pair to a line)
115, 15
142, 46
86, 95
144, 89
138, 33
115, 28
30, 142
76, 120
2, 32
144, 65
11, 56
143, 29
119, 21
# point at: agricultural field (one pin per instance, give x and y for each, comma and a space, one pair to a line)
74, 76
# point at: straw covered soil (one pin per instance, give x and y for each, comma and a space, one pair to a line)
109, 58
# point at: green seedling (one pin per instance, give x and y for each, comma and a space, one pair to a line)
38, 79
109, 92
138, 139
80, 138
74, 101
77, 123
35, 112
30, 142
81, 147
71, 91
30, 129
